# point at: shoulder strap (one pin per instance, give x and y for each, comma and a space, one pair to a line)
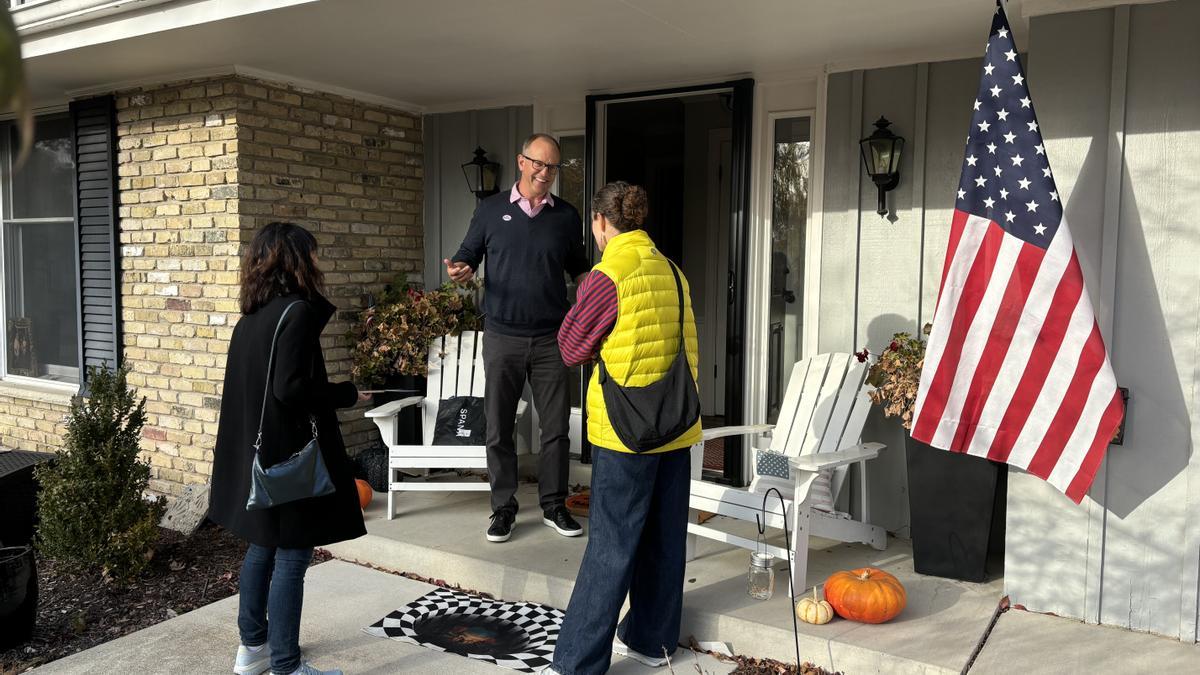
270, 362
679, 290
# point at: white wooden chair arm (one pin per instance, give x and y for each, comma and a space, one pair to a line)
393, 407
827, 460
521, 406
744, 430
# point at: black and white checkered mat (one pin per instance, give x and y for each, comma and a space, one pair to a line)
516, 635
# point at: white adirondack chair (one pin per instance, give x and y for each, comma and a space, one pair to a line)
818, 432
455, 369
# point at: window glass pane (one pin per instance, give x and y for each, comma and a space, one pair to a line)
789, 215
41, 326
570, 181
40, 300
42, 187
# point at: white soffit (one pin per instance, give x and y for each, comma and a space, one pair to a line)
437, 55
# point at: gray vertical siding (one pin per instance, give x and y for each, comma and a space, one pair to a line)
1151, 542
1051, 543
1117, 97
880, 274
450, 140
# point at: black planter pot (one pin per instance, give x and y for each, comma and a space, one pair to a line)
956, 505
371, 463
408, 422
18, 595
18, 495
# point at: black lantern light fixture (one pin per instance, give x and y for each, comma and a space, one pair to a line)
482, 174
881, 155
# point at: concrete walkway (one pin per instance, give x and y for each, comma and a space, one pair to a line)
340, 599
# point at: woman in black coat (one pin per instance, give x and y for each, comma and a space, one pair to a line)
279, 269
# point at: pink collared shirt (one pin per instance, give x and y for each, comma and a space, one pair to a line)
522, 201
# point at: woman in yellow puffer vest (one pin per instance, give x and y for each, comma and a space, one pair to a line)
628, 314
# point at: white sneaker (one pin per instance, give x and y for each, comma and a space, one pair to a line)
252, 661
621, 649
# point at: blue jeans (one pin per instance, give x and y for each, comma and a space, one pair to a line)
636, 544
272, 585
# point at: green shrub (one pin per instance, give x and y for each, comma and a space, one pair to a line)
92, 509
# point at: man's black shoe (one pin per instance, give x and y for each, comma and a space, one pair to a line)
502, 522
560, 519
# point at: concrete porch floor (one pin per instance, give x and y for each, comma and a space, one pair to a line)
441, 535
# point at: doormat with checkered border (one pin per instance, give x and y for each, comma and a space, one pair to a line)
516, 635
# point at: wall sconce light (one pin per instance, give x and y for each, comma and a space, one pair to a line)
482, 174
881, 155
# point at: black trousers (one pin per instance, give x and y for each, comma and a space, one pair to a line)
509, 362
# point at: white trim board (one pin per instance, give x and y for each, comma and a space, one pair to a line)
250, 72
816, 221
128, 23
1031, 8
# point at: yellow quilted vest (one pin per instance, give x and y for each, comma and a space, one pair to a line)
645, 339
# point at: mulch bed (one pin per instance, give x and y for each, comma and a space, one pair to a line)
79, 611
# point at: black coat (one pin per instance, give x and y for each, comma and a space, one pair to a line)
300, 386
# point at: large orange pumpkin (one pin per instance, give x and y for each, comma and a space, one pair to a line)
365, 493
867, 594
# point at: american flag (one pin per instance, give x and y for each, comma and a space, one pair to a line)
1015, 367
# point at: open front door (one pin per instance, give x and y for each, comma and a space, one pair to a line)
690, 149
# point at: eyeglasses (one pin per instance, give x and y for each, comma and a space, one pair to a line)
538, 164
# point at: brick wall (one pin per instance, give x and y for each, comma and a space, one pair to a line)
31, 420
202, 165
178, 183
352, 174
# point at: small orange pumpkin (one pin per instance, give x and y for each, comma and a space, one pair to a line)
866, 594
365, 493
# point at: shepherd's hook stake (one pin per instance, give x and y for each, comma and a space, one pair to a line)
787, 540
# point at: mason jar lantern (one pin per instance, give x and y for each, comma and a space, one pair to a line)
760, 578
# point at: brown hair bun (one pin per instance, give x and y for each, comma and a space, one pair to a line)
624, 205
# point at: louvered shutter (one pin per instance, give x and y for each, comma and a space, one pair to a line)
96, 217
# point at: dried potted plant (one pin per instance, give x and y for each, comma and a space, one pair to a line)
956, 501
390, 341
392, 336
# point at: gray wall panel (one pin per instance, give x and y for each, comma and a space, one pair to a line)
840, 219
1151, 548
450, 140
889, 273
1047, 542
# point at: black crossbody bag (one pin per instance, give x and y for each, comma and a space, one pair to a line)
300, 476
649, 417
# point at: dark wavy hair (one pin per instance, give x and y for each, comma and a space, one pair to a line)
281, 260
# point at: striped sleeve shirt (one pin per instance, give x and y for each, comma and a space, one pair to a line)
589, 321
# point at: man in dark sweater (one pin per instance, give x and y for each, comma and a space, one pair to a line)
530, 239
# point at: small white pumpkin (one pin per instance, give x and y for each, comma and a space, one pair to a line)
814, 610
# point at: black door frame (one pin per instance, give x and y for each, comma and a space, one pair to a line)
739, 232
